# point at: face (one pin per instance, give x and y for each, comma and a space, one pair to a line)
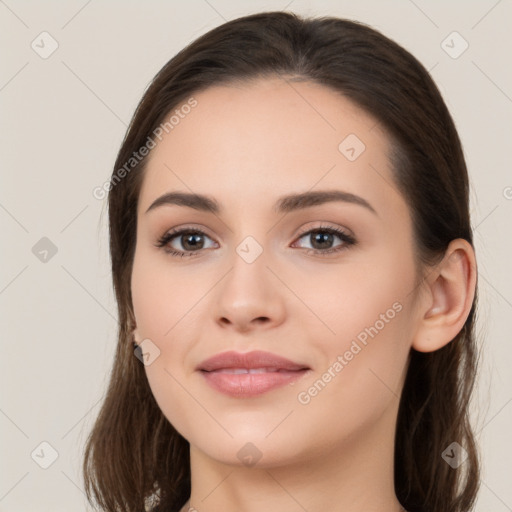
326, 282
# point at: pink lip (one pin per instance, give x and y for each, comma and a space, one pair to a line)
219, 372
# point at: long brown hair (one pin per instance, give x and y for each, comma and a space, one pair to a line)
133, 452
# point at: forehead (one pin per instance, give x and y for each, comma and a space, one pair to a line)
270, 137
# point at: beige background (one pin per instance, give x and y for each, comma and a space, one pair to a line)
63, 119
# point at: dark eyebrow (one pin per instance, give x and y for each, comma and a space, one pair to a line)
306, 199
284, 204
196, 201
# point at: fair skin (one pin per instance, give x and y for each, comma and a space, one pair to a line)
246, 146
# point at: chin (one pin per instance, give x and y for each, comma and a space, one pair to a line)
258, 454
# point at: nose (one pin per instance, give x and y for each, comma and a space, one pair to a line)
249, 296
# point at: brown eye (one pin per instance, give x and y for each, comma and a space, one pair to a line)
185, 242
323, 240
191, 241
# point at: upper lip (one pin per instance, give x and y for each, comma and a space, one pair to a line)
248, 360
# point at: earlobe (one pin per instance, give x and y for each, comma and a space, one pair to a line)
134, 332
132, 323
450, 293
135, 337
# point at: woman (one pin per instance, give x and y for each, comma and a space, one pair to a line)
293, 263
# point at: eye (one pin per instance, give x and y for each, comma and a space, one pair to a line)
189, 240
323, 239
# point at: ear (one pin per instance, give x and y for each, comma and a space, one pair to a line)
134, 330
450, 290
135, 336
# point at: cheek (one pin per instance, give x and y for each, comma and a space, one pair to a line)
170, 389
366, 355
162, 299
166, 307
361, 379
366, 298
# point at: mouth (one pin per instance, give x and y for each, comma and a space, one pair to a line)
245, 375
246, 383
240, 371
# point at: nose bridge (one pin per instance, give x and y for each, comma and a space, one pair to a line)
248, 277
249, 291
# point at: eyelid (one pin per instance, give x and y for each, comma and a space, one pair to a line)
326, 226
189, 227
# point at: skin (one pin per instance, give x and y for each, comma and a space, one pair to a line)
246, 146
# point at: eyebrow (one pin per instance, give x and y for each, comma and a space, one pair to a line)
284, 204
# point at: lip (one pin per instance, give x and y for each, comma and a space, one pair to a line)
249, 374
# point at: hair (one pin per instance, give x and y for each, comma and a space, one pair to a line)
133, 453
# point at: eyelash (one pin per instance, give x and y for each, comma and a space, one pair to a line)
347, 240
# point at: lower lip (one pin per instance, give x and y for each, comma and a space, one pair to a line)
246, 385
